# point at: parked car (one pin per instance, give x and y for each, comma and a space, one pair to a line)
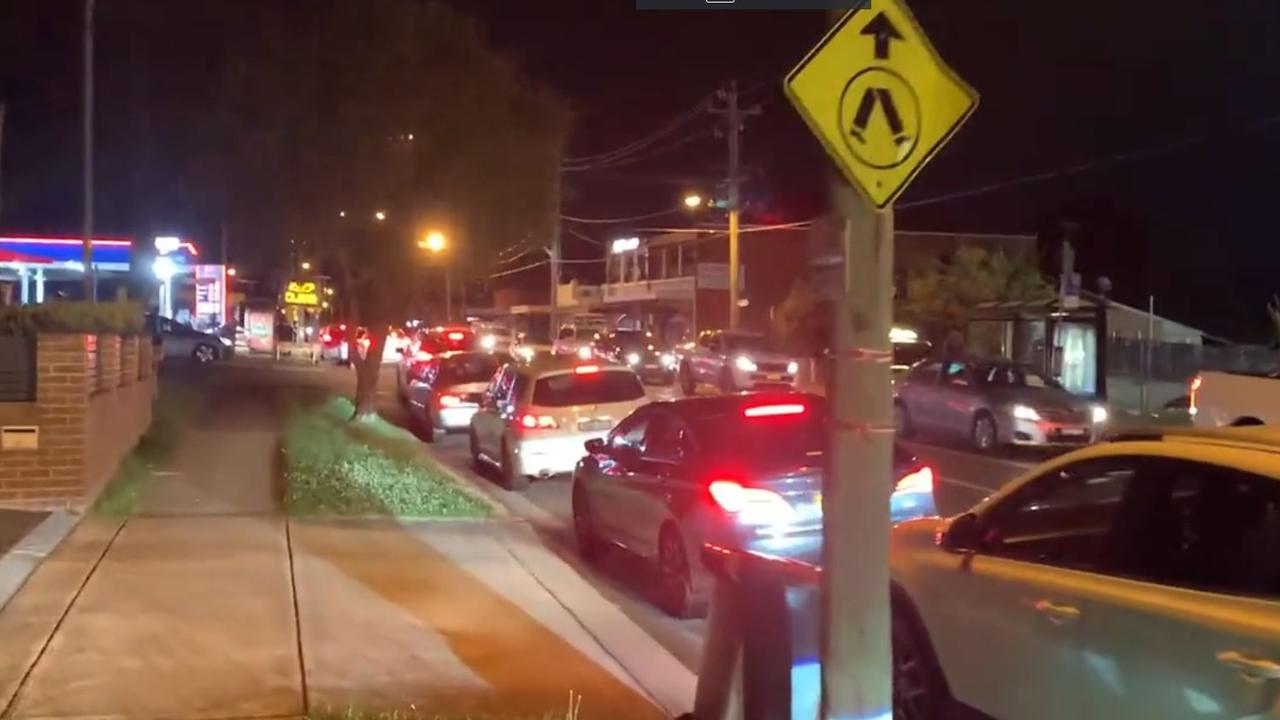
640, 351
737, 471
1130, 579
333, 343
493, 337
418, 353
534, 417
1227, 398
734, 361
449, 390
183, 341
993, 403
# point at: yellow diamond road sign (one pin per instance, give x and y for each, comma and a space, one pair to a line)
879, 97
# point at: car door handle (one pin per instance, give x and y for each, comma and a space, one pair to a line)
1251, 668
1057, 614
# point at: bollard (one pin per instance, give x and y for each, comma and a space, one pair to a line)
761, 659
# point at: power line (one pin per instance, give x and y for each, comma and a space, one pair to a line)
530, 266
581, 236
616, 221
640, 155
1087, 166
637, 145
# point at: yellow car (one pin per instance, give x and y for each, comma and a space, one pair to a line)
1133, 579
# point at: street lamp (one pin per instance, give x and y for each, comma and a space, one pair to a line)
380, 215
306, 265
342, 213
231, 272
434, 242
693, 201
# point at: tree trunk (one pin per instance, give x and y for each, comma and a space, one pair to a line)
367, 371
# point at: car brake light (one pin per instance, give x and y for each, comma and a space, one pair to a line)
751, 506
343, 327
538, 422
919, 480
587, 369
450, 401
774, 410
456, 336
1195, 388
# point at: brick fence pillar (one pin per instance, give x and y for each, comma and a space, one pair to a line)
129, 360
108, 362
146, 353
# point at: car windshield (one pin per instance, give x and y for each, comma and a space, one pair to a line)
597, 388
463, 369
632, 340
747, 343
1012, 376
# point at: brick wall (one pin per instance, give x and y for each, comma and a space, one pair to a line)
129, 360
83, 433
108, 362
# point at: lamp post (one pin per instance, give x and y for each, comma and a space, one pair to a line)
436, 243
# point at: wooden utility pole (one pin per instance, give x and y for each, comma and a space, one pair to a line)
90, 277
733, 118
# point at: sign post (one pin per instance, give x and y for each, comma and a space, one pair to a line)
882, 102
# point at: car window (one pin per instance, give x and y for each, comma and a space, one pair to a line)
729, 438
630, 432
597, 388
926, 373
464, 369
955, 373
1202, 527
666, 439
502, 387
746, 343
1063, 518
1013, 376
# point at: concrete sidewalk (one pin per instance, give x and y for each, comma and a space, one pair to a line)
213, 604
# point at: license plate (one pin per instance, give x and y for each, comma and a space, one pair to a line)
595, 425
1074, 432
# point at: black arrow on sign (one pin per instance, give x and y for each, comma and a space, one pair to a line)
884, 32
870, 97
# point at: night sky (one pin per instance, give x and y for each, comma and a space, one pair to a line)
1176, 105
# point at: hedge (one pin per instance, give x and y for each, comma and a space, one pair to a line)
118, 317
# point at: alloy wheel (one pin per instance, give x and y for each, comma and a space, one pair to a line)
673, 574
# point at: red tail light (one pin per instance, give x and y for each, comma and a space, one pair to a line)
538, 422
919, 480
450, 401
774, 410
587, 369
1195, 388
751, 506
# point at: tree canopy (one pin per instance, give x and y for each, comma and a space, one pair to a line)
944, 294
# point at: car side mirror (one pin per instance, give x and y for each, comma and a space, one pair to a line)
961, 536
595, 446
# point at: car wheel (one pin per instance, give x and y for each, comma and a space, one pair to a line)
474, 442
984, 436
919, 688
687, 384
674, 577
428, 426
902, 421
727, 384
204, 354
511, 479
584, 526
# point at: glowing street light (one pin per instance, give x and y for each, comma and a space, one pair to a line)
434, 242
693, 201
231, 272
306, 265
342, 213
380, 215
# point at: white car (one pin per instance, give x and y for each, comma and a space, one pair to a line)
576, 341
1224, 398
534, 418
493, 337
734, 361
1131, 579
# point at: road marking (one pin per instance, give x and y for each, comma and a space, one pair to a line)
966, 485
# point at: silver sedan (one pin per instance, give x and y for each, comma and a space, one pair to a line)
992, 404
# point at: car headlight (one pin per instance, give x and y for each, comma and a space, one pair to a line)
668, 360
793, 367
584, 352
488, 342
1099, 414
526, 353
1022, 412
745, 364
633, 358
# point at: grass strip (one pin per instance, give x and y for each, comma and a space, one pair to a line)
334, 467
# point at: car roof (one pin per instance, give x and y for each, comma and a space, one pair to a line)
551, 365
696, 407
